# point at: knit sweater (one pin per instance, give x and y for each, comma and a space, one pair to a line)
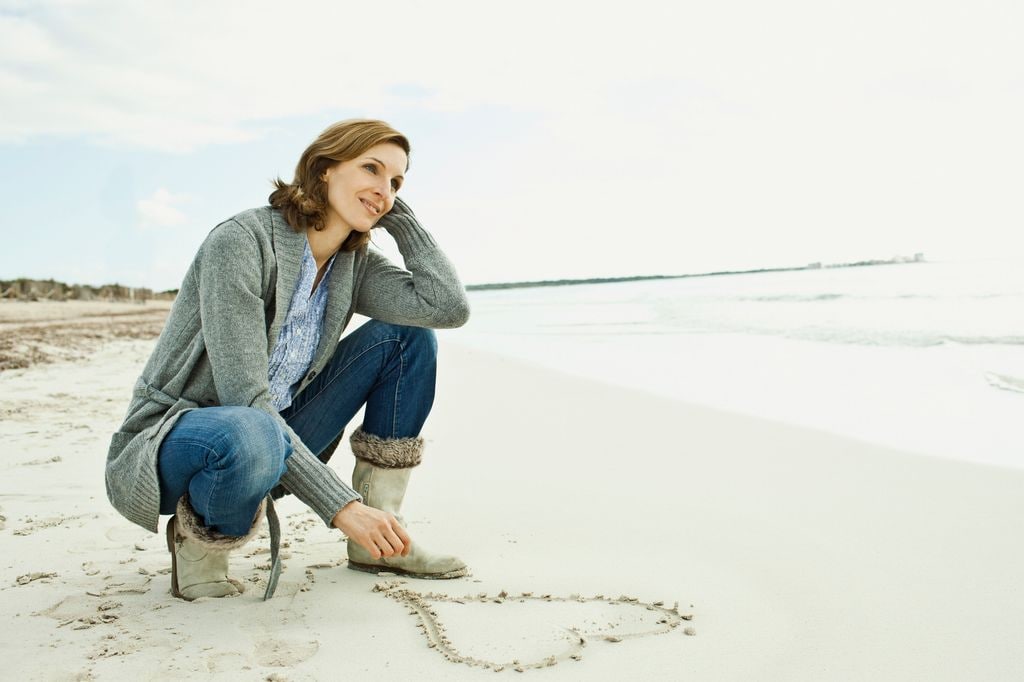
215, 345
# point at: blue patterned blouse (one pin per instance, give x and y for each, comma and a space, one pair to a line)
300, 333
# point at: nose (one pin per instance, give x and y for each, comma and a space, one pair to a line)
381, 190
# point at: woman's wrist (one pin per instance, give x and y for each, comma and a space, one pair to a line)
344, 511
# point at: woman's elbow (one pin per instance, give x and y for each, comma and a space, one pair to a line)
456, 315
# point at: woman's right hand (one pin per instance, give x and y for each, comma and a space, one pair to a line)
376, 531
401, 208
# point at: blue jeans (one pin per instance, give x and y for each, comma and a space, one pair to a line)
228, 458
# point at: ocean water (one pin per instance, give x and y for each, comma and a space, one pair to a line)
924, 357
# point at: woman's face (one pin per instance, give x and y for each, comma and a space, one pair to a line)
363, 189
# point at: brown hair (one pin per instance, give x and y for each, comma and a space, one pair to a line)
303, 202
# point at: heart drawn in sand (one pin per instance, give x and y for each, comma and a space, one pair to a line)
653, 619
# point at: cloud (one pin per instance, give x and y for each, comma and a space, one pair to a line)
63, 72
648, 136
159, 210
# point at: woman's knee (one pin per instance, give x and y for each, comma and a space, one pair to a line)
419, 341
255, 444
424, 339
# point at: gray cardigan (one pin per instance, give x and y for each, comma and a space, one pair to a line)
215, 346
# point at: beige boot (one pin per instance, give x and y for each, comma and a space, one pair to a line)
199, 555
381, 476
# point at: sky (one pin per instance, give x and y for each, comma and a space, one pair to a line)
550, 139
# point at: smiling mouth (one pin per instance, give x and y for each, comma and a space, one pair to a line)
370, 207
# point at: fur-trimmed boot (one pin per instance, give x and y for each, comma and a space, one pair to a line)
199, 555
381, 476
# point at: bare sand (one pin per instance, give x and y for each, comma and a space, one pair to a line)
792, 554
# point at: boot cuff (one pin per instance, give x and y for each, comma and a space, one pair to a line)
191, 525
387, 453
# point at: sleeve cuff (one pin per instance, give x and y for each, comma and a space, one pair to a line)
317, 485
409, 234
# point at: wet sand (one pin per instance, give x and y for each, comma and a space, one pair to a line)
37, 332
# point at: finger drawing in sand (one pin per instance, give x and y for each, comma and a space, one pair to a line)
661, 620
249, 390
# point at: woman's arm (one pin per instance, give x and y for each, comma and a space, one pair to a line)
231, 308
428, 294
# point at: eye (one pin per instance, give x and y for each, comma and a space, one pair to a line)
395, 184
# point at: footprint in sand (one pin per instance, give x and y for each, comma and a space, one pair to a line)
82, 613
33, 525
280, 653
43, 460
125, 534
226, 662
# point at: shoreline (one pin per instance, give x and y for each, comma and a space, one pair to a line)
805, 555
33, 290
918, 258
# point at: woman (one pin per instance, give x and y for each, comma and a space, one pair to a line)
248, 384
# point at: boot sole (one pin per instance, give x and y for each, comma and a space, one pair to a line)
371, 568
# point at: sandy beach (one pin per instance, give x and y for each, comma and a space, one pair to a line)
722, 547
42, 331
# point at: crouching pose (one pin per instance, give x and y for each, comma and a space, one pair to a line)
249, 390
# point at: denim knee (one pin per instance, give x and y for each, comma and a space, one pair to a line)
419, 341
252, 451
423, 340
